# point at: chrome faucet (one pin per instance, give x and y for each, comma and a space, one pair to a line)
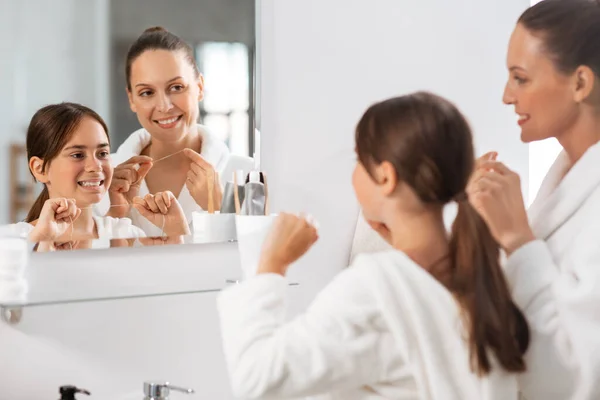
160, 391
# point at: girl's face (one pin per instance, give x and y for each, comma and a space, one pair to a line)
165, 93
82, 169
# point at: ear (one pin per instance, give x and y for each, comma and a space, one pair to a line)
200, 83
583, 84
131, 104
386, 177
35, 166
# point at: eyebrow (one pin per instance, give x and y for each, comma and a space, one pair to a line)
169, 81
83, 147
515, 68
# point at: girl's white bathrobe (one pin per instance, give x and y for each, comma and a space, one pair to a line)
384, 328
556, 281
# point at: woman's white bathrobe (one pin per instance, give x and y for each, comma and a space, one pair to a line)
214, 151
383, 328
556, 281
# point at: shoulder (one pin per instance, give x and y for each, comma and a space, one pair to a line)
133, 145
213, 149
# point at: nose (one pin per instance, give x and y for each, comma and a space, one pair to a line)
508, 97
164, 103
93, 164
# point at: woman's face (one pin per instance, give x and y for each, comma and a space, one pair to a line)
82, 169
542, 95
165, 93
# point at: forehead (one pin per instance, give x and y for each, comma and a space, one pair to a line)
525, 50
158, 66
89, 131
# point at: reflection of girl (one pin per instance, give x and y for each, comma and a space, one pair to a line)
430, 319
164, 88
553, 251
69, 152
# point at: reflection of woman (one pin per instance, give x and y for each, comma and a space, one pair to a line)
553, 263
69, 152
430, 319
164, 87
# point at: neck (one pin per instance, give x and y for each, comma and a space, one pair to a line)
85, 224
583, 135
423, 236
160, 149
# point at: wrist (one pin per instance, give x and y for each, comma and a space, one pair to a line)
515, 241
271, 267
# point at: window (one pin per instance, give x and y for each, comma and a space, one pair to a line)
227, 106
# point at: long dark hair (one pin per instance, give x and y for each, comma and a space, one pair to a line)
50, 129
158, 38
429, 143
569, 30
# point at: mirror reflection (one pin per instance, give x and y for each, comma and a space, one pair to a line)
140, 130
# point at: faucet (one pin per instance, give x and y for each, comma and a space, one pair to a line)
160, 391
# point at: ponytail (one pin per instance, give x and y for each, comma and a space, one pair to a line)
493, 321
36, 209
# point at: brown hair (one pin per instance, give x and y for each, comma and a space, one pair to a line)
158, 38
429, 143
50, 129
570, 31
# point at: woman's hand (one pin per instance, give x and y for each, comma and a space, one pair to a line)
495, 192
203, 182
126, 182
56, 218
289, 239
164, 211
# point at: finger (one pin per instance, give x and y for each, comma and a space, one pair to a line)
196, 158
197, 169
120, 186
193, 178
485, 184
143, 171
143, 210
128, 174
151, 203
160, 203
168, 197
496, 166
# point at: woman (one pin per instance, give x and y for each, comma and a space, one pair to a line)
164, 87
430, 319
553, 255
69, 152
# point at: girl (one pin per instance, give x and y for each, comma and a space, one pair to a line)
68, 149
553, 256
164, 87
430, 319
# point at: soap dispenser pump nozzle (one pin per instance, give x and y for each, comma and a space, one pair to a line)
68, 392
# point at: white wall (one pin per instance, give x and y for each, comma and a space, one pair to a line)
322, 63
326, 61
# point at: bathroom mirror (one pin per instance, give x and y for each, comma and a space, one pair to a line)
77, 51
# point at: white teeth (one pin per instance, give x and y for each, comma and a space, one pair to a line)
90, 184
522, 117
168, 121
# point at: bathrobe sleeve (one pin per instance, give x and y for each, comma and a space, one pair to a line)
562, 306
334, 346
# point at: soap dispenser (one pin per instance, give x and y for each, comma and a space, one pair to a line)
68, 392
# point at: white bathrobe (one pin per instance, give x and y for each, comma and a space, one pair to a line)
383, 329
214, 151
108, 229
556, 281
